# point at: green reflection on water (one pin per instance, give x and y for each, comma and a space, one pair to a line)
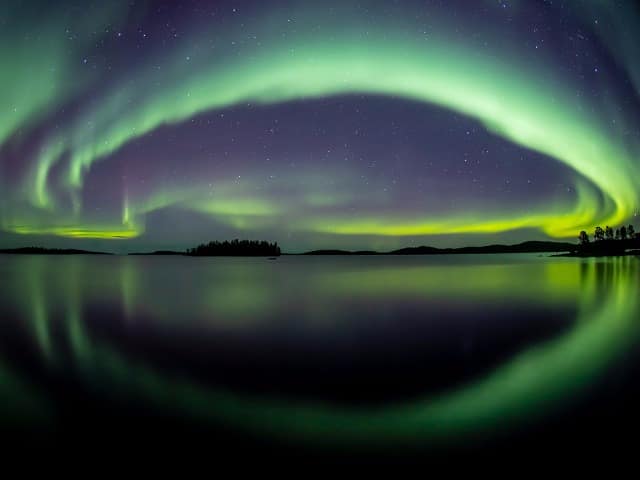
522, 389
21, 403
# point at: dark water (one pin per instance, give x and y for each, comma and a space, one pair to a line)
347, 355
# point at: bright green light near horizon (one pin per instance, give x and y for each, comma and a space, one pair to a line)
553, 222
99, 232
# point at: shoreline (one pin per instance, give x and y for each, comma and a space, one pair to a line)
629, 253
553, 249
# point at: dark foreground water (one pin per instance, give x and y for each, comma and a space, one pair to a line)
347, 356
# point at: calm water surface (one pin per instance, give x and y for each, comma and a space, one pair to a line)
347, 353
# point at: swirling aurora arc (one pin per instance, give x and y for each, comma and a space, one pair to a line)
77, 100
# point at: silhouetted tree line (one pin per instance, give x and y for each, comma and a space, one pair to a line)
236, 248
608, 240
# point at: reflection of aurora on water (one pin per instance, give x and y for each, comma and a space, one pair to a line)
527, 386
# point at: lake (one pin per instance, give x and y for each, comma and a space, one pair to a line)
348, 355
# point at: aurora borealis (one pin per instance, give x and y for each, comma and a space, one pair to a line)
130, 125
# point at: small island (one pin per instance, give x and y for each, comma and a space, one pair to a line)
236, 248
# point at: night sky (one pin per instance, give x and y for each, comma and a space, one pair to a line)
136, 125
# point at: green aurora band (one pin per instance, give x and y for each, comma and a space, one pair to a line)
38, 59
530, 107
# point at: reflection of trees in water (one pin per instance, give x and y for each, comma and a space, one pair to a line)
533, 382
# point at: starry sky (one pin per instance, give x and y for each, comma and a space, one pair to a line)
134, 125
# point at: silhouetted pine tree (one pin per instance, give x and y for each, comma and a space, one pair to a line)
598, 234
608, 231
584, 238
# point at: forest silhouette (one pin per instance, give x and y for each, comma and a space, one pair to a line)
607, 241
236, 248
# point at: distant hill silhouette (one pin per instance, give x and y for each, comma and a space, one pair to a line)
341, 252
524, 247
159, 252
